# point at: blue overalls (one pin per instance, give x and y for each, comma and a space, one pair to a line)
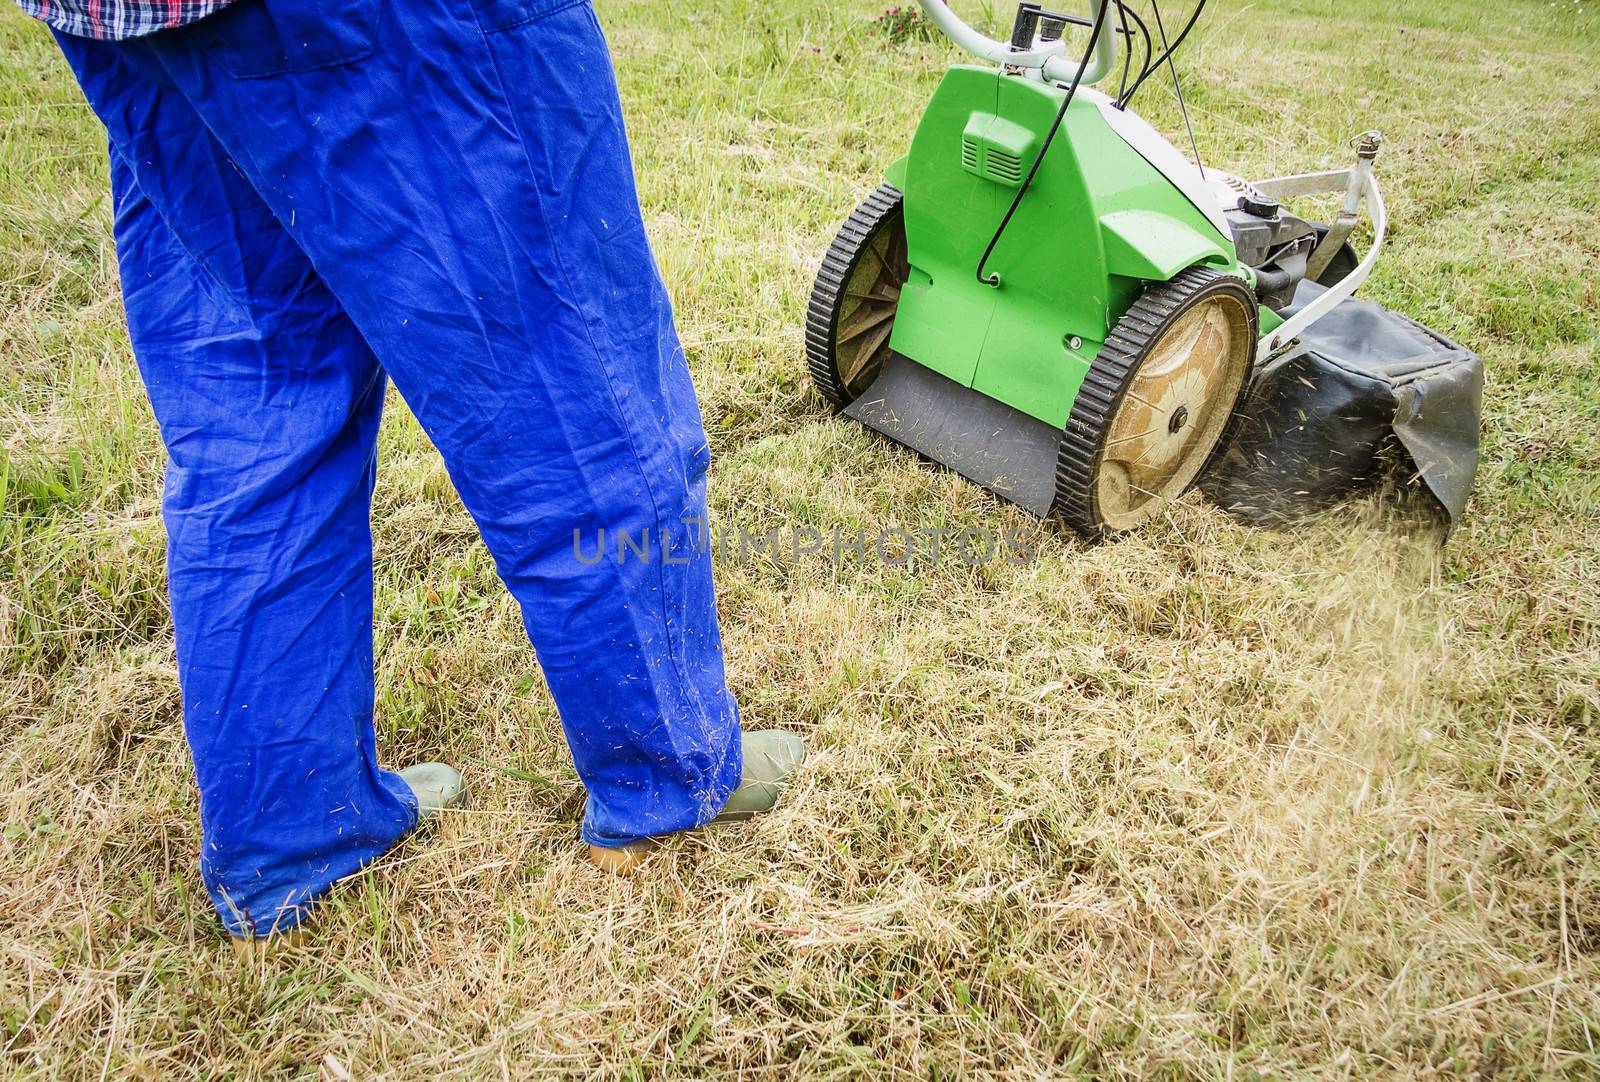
314, 196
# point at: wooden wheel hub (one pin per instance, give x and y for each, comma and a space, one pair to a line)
1174, 410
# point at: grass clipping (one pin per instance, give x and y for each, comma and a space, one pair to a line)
1108, 813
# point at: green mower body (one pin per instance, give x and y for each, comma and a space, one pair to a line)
1099, 223
980, 361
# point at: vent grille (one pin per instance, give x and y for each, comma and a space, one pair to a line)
983, 159
969, 155
1005, 166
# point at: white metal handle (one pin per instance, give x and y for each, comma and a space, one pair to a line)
1051, 59
1313, 184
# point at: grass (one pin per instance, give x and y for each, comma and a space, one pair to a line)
1208, 802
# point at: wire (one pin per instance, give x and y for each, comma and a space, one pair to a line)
1038, 160
1194, 16
1127, 46
1148, 51
1178, 90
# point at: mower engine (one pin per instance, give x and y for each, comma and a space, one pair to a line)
1270, 241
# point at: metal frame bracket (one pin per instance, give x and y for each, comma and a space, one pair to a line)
1359, 185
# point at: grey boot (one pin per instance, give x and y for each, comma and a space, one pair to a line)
437, 787
770, 757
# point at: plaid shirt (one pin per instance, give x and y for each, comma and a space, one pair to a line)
118, 18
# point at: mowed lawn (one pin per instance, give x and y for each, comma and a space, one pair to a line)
1206, 802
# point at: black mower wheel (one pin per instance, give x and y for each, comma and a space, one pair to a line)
855, 297
1157, 401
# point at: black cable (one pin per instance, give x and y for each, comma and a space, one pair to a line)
1177, 89
1148, 51
1177, 41
1127, 45
1152, 62
1038, 160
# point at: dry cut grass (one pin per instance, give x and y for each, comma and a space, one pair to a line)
1208, 802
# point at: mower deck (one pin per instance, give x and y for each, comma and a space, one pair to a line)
1003, 449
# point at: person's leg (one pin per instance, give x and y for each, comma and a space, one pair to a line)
459, 176
268, 402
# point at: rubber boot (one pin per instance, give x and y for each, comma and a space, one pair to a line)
437, 787
770, 756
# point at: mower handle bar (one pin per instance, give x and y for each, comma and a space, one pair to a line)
1050, 60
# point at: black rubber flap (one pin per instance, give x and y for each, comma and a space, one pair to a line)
1006, 451
1363, 388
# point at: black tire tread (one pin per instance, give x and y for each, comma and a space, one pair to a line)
822, 314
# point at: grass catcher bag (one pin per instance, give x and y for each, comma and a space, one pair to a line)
1364, 395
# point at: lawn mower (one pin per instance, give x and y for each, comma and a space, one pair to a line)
1051, 299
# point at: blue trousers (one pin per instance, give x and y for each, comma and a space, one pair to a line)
314, 197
